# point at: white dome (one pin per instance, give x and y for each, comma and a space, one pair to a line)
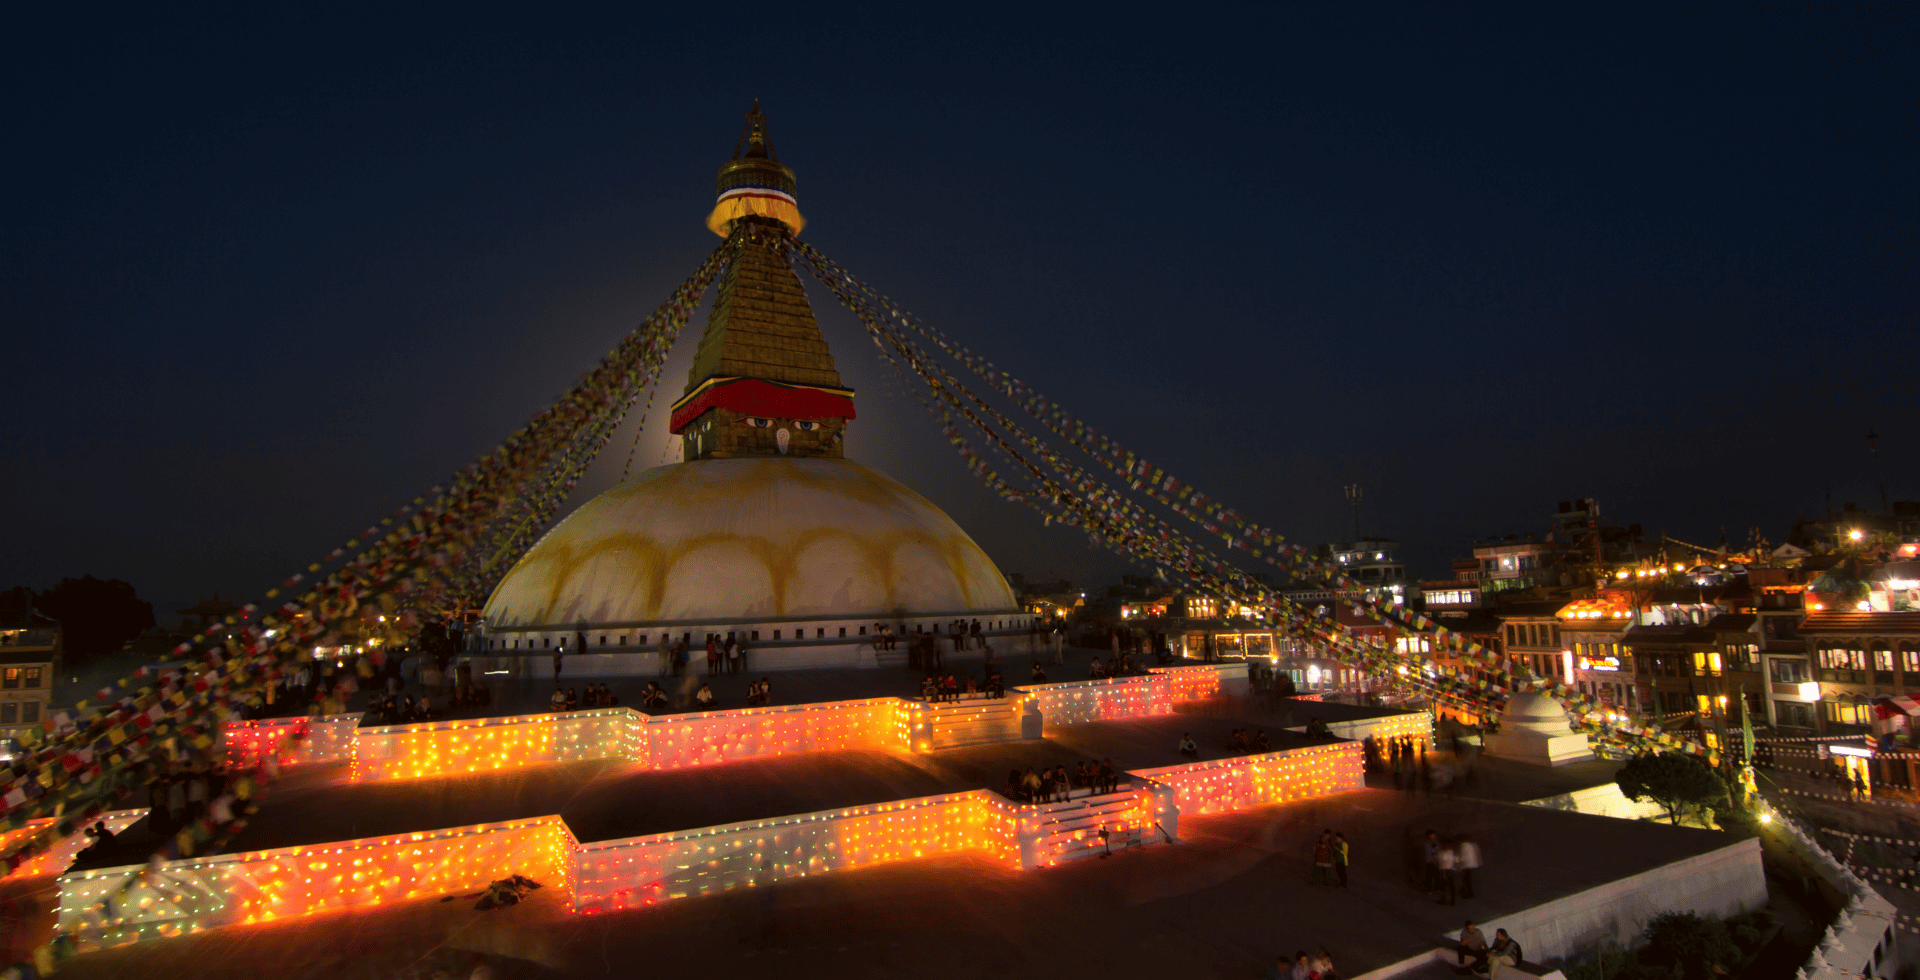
760, 539
1540, 713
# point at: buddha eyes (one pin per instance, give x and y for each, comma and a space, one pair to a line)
757, 422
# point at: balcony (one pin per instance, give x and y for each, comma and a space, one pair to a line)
27, 638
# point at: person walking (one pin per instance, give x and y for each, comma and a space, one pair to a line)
1340, 858
1469, 863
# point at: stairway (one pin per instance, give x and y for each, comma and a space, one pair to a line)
981, 721
1065, 831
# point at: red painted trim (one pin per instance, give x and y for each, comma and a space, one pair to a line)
765, 399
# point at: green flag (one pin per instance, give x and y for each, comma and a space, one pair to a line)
1746, 732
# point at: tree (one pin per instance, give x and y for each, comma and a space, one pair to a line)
96, 616
1691, 943
1672, 780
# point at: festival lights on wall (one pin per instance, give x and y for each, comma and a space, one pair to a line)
292, 741
119, 905
451, 748
1274, 777
113, 906
705, 738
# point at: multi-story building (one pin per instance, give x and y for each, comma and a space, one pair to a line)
1515, 563
29, 660
1593, 632
1857, 658
1532, 635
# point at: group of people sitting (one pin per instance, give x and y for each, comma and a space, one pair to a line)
1057, 784
1240, 743
597, 697
1121, 667
391, 710
759, 694
470, 696
1476, 955
1319, 966
951, 688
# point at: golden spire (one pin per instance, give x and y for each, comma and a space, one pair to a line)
754, 183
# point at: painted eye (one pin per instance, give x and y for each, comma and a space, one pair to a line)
757, 422
806, 426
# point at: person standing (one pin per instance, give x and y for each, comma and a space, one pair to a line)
733, 655
1059, 646
975, 631
1323, 858
559, 653
1340, 858
713, 656
1430, 867
1449, 875
1469, 862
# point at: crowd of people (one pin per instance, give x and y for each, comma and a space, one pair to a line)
1056, 784
1240, 743
934, 687
597, 696
1319, 966
401, 710
1448, 867
1122, 665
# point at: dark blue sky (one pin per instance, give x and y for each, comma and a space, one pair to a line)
263, 276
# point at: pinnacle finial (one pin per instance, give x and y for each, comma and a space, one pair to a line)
754, 183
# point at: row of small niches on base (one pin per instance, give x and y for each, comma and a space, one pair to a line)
620, 641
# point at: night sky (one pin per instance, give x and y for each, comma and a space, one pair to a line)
265, 276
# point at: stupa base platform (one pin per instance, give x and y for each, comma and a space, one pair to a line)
1540, 750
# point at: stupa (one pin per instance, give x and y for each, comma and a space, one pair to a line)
1535, 728
764, 532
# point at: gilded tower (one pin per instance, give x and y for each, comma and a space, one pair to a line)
763, 382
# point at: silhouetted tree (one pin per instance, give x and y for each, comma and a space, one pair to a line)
1672, 780
97, 616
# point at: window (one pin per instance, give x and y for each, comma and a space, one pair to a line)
863, 631
1845, 713
1793, 714
1882, 656
1909, 658
820, 633
11, 679
843, 631
30, 677
1556, 635
546, 641
1513, 635
9, 712
1788, 671
776, 634
1705, 704
29, 711
755, 634
603, 639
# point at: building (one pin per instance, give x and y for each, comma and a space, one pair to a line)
1859, 657
764, 533
30, 645
1593, 632
1514, 563
1531, 629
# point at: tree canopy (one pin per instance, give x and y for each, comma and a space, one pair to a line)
1673, 780
97, 616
